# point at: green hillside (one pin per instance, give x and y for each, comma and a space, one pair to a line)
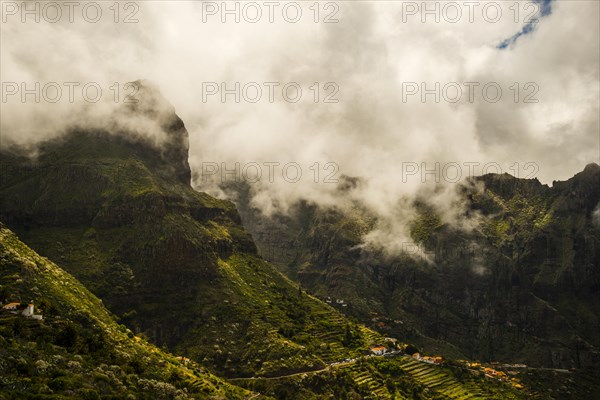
78, 350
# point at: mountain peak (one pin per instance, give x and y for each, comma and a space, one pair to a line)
592, 167
147, 98
590, 173
149, 103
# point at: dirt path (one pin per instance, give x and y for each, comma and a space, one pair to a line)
308, 372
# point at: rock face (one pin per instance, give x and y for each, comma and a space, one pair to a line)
523, 286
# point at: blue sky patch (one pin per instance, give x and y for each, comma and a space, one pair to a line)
545, 9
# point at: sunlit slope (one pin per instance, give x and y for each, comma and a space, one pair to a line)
78, 350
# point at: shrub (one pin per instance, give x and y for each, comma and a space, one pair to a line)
67, 337
62, 383
88, 394
42, 366
410, 350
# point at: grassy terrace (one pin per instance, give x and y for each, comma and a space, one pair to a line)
440, 380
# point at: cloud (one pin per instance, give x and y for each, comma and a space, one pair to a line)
596, 215
374, 131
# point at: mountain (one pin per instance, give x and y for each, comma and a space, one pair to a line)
115, 208
522, 286
78, 350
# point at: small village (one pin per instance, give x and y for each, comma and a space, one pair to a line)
437, 360
492, 373
378, 350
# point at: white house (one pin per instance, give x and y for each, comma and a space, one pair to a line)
29, 312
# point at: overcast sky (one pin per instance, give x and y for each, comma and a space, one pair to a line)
371, 61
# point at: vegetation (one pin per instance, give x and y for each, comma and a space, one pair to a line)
78, 350
423, 226
272, 328
385, 378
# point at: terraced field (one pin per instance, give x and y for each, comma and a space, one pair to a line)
331, 346
364, 377
370, 335
382, 378
440, 380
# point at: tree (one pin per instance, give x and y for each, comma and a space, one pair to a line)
67, 337
348, 335
410, 350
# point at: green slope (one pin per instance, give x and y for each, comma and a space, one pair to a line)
78, 350
172, 263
